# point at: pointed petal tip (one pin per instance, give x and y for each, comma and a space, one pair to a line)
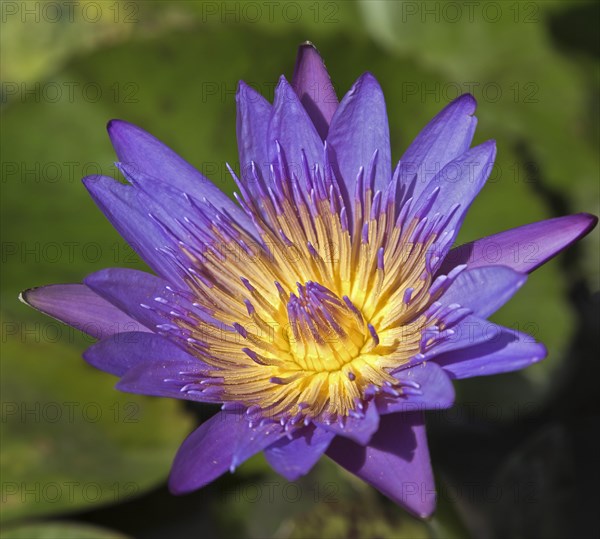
307, 44
242, 88
542, 353
468, 101
115, 128
90, 181
488, 145
307, 51
34, 297
487, 150
282, 89
425, 512
112, 124
98, 277
96, 182
176, 486
367, 75
587, 220
23, 296
367, 78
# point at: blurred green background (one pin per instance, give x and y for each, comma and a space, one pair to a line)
517, 456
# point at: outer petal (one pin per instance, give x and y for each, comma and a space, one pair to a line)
141, 150
120, 353
252, 127
121, 205
396, 462
170, 377
296, 457
472, 330
358, 128
136, 293
80, 307
313, 86
445, 138
524, 248
484, 290
292, 128
182, 219
359, 430
218, 445
458, 184
508, 351
129, 289
434, 392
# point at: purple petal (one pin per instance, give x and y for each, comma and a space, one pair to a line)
252, 127
183, 219
358, 128
509, 351
459, 183
524, 248
396, 462
80, 307
472, 330
121, 352
121, 205
292, 128
312, 83
360, 430
173, 378
484, 290
135, 292
445, 138
435, 388
149, 155
296, 457
219, 444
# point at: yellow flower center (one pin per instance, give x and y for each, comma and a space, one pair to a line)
311, 318
324, 332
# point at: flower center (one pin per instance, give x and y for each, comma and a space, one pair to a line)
367, 305
325, 332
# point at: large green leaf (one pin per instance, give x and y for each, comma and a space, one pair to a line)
68, 438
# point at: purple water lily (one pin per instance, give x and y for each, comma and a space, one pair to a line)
326, 310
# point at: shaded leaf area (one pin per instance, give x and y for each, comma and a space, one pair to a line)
174, 72
69, 440
257, 503
534, 480
59, 530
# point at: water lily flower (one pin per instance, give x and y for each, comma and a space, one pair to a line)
326, 309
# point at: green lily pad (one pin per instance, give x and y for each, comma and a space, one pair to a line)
69, 440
